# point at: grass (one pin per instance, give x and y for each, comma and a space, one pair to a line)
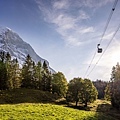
100, 106
25, 95
105, 107
27, 104
37, 111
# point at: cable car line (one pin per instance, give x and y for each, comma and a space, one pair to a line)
108, 21
90, 64
105, 49
100, 49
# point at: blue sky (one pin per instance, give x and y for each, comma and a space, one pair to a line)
66, 33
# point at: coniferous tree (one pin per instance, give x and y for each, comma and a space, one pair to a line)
15, 71
108, 91
117, 73
9, 70
3, 71
100, 86
33, 80
8, 57
3, 76
38, 75
27, 73
113, 88
6, 60
113, 74
46, 78
2, 56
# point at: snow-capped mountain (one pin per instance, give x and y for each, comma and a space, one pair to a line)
11, 42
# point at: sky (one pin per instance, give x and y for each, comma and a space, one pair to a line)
66, 33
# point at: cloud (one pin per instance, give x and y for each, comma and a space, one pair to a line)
92, 3
62, 4
67, 23
108, 36
87, 30
69, 18
111, 56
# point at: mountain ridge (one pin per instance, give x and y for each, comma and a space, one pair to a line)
11, 42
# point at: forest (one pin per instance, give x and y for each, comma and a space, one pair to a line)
38, 77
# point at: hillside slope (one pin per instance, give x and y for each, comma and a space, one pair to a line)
25, 96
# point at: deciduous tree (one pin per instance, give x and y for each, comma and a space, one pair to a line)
59, 84
80, 90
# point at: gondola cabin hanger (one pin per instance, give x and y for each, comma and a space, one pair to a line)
99, 49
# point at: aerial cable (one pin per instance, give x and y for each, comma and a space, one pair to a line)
90, 64
108, 21
105, 49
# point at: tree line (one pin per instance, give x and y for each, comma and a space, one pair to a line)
38, 76
112, 91
100, 86
31, 75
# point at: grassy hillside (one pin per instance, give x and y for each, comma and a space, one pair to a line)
47, 112
25, 96
27, 104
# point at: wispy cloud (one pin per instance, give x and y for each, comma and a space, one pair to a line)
92, 3
62, 4
67, 20
108, 36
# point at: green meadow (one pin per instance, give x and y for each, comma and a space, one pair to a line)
30, 111
28, 104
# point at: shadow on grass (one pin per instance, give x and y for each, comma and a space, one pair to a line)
77, 107
108, 111
104, 110
16, 96
105, 107
98, 114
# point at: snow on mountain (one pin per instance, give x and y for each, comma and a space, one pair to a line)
11, 42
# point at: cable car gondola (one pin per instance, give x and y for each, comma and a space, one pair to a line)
99, 49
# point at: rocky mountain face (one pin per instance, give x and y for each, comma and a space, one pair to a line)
11, 42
